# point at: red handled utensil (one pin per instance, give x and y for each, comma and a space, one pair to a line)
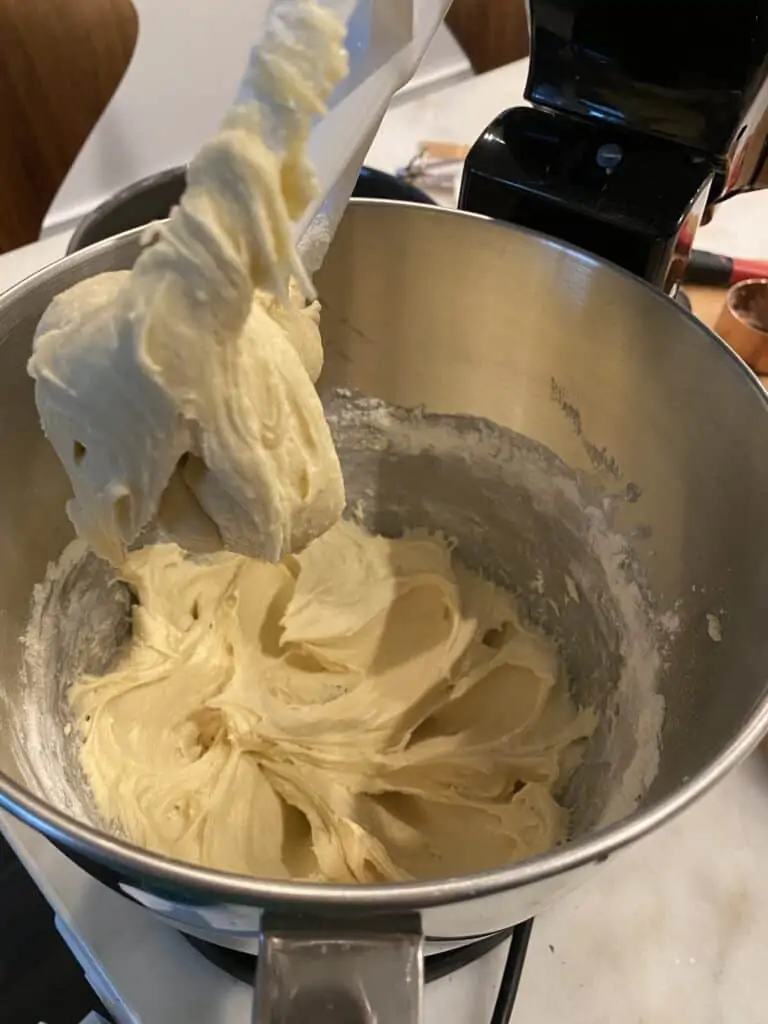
710, 268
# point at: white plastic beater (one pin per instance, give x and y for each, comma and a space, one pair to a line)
386, 40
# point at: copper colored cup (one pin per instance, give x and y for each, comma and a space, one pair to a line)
743, 322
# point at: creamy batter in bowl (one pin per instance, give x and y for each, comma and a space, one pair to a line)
338, 716
291, 753
366, 711
526, 399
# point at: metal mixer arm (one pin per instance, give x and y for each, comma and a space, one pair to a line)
337, 972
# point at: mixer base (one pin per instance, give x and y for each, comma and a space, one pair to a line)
242, 966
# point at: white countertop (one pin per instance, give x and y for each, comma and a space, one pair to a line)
674, 929
671, 931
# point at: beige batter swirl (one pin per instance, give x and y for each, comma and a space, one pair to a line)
180, 394
369, 710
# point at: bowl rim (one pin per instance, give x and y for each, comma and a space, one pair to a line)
185, 881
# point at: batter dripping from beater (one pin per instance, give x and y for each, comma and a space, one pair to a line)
180, 395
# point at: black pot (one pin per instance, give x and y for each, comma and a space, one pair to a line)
153, 198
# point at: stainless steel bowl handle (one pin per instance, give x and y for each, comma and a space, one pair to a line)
367, 972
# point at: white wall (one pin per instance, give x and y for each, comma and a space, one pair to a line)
185, 71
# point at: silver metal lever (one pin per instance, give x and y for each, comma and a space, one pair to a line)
350, 972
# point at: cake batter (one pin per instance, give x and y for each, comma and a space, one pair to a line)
180, 395
367, 711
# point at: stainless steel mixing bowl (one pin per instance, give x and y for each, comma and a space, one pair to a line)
631, 523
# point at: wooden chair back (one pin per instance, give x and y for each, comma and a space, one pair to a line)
60, 63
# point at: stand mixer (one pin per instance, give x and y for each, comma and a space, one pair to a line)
613, 157
644, 115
